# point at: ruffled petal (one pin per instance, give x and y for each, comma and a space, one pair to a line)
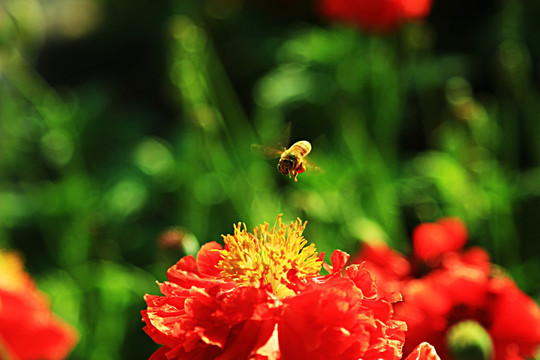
424, 351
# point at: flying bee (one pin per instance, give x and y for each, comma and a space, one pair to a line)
292, 160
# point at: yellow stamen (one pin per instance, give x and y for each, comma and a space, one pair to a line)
267, 255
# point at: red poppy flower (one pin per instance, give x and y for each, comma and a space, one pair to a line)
431, 243
28, 329
465, 292
377, 15
455, 288
262, 297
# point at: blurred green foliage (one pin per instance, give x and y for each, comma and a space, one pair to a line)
120, 120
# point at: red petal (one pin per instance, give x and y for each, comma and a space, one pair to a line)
362, 279
208, 258
424, 351
332, 320
159, 354
380, 15
382, 258
251, 336
457, 232
431, 240
414, 9
516, 317
27, 317
339, 259
185, 274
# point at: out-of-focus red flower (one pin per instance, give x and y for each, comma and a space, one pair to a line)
459, 292
380, 15
516, 326
431, 240
262, 297
459, 287
172, 238
387, 266
28, 328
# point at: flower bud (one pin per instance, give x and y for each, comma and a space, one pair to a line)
468, 340
177, 238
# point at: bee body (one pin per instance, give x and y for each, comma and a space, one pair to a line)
291, 161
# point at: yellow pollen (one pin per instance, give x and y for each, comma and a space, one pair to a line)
267, 255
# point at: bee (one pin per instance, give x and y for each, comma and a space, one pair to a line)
292, 160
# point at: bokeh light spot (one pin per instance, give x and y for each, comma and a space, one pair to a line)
126, 197
57, 146
154, 158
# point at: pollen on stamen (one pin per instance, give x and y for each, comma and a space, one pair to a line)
267, 255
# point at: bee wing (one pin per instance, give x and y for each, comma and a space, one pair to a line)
284, 141
312, 167
266, 151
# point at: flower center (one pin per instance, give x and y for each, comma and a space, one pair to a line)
267, 255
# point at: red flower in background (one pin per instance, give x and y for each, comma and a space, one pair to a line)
461, 291
457, 295
28, 328
262, 298
431, 240
378, 15
387, 266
